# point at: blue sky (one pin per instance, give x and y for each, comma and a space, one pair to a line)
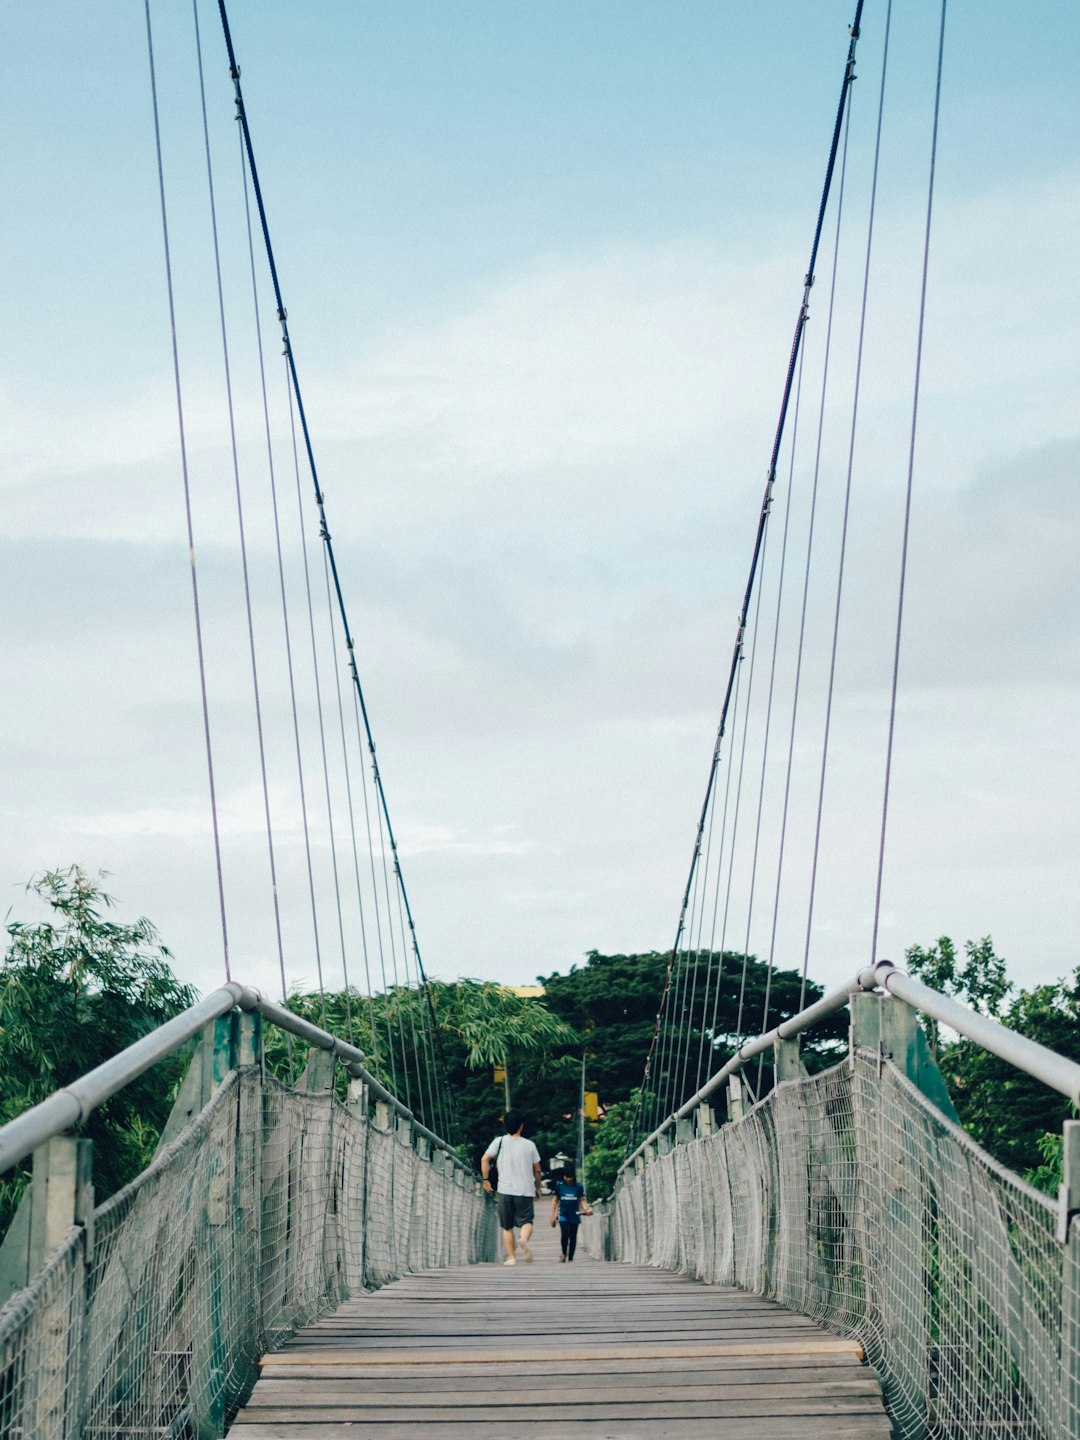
542, 262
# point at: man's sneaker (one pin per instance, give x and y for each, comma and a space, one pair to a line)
524, 1251
562, 1259
511, 1261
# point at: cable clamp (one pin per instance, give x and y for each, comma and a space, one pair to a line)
282, 314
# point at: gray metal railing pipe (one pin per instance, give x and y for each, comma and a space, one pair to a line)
1054, 1070
72, 1104
827, 1005
1027, 1055
352, 1059
67, 1107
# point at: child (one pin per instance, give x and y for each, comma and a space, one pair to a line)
568, 1203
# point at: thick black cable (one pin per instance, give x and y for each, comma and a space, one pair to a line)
716, 963
837, 607
327, 793
352, 822
395, 998
908, 487
704, 869
771, 691
849, 72
307, 841
277, 531
348, 796
187, 497
238, 492
272, 473
805, 593
733, 850
324, 529
378, 908
422, 1072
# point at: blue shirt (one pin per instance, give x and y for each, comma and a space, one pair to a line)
569, 1193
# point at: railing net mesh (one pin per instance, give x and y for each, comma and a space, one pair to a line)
849, 1198
271, 1208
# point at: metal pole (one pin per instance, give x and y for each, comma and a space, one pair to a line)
581, 1125
71, 1105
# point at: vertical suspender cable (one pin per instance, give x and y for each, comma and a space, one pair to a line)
324, 530
771, 692
281, 589
716, 963
846, 514
187, 499
763, 515
239, 501
375, 892
352, 817
908, 488
765, 1025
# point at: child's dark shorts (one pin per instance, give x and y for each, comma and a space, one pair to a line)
515, 1210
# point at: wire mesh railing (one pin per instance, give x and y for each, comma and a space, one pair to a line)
851, 1198
267, 1210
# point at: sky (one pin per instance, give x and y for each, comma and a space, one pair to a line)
542, 262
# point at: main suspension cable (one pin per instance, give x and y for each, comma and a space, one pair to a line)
238, 493
781, 855
324, 529
847, 511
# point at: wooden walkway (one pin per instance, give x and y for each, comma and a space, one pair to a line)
589, 1351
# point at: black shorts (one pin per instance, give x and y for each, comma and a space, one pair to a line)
515, 1210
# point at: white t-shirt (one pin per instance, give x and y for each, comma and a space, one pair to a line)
515, 1156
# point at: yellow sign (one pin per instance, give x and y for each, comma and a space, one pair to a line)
500, 1074
592, 1106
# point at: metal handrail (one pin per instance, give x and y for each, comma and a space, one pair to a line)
73, 1103
1054, 1070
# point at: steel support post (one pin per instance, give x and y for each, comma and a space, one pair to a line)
1069, 1236
247, 1180
209, 1357
61, 1198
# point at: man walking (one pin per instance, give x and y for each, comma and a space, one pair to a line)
518, 1163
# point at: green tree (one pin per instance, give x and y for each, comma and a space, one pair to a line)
1012, 1115
610, 1141
498, 1027
74, 990
613, 1000
477, 1025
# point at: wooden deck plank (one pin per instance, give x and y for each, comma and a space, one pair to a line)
793, 1427
611, 1352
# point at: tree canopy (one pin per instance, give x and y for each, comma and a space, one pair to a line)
1017, 1118
75, 989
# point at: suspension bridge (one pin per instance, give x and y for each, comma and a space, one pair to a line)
785, 1252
